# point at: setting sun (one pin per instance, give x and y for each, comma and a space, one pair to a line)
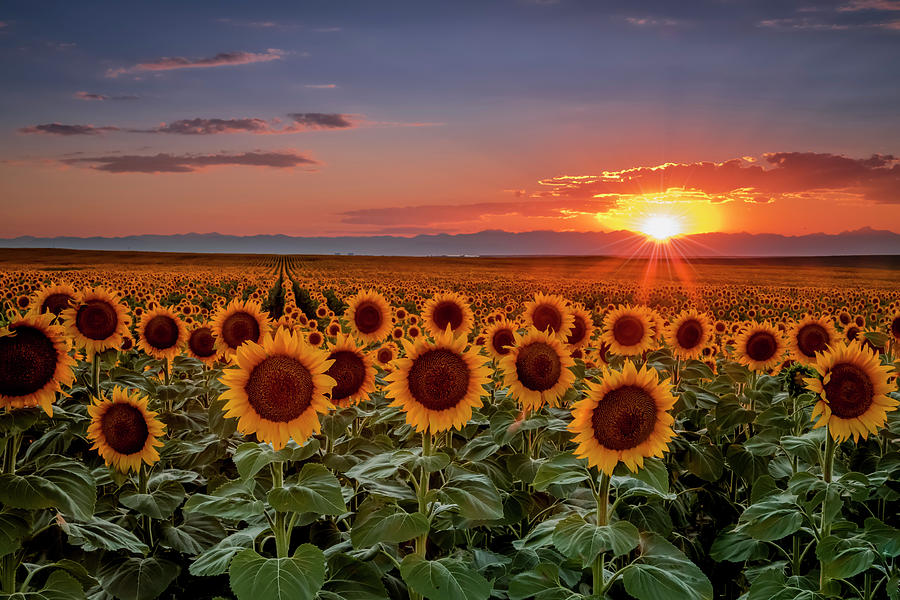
660, 227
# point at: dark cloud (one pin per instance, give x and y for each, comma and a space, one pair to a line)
188, 163
223, 59
60, 129
214, 126
101, 97
323, 120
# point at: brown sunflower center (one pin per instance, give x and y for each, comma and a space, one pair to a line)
56, 303
349, 371
689, 334
547, 316
439, 379
579, 329
624, 418
27, 361
852, 332
628, 330
368, 317
202, 342
279, 389
124, 428
500, 339
385, 355
761, 346
850, 391
238, 328
538, 366
161, 332
96, 319
446, 313
895, 327
812, 338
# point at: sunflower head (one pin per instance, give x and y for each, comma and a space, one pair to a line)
237, 323
124, 431
536, 369
369, 316
852, 387
96, 321
499, 337
353, 372
447, 310
161, 333
201, 344
688, 334
385, 354
628, 330
549, 312
624, 418
53, 299
809, 337
760, 346
582, 328
278, 388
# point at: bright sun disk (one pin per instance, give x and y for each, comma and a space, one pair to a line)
660, 227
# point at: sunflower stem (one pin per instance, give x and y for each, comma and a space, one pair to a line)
95, 376
602, 520
422, 492
282, 535
827, 467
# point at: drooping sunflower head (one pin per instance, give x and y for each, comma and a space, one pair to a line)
161, 333
499, 337
852, 387
34, 362
628, 330
53, 299
438, 383
447, 310
278, 388
582, 328
352, 371
124, 431
237, 323
549, 312
760, 346
811, 336
369, 316
97, 320
536, 369
201, 344
688, 334
624, 418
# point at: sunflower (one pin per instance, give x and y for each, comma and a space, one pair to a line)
53, 299
893, 325
582, 328
201, 344
760, 346
161, 333
809, 337
548, 312
628, 330
369, 315
536, 370
34, 362
352, 371
237, 323
278, 389
688, 334
624, 418
448, 309
124, 431
438, 383
385, 353
499, 336
853, 391
96, 321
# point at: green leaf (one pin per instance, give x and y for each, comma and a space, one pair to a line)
352, 579
99, 533
663, 572
580, 540
562, 469
655, 474
736, 547
160, 501
885, 538
478, 448
298, 577
773, 585
444, 579
250, 458
475, 495
805, 447
215, 561
387, 524
540, 583
72, 492
196, 534
844, 558
138, 578
706, 462
230, 500
315, 490
60, 585
13, 527
771, 519
380, 466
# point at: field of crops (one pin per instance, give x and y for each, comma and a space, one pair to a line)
267, 428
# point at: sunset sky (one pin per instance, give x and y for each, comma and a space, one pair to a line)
333, 118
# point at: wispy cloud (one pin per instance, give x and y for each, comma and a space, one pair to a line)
859, 5
320, 86
652, 22
65, 130
189, 163
322, 120
102, 97
222, 59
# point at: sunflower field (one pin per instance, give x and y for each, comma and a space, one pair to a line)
285, 430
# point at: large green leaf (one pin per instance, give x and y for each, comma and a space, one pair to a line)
13, 527
298, 577
705, 461
250, 458
663, 572
137, 578
387, 524
196, 534
229, 501
772, 518
159, 502
844, 558
736, 547
540, 583
315, 490
68, 487
580, 540
773, 585
562, 469
475, 495
216, 560
443, 579
352, 579
60, 585
884, 538
99, 533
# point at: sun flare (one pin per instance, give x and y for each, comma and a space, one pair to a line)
660, 227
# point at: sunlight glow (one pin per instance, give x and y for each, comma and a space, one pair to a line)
660, 227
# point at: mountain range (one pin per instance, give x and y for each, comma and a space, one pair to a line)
866, 241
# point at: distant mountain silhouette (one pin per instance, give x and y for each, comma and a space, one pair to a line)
866, 241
